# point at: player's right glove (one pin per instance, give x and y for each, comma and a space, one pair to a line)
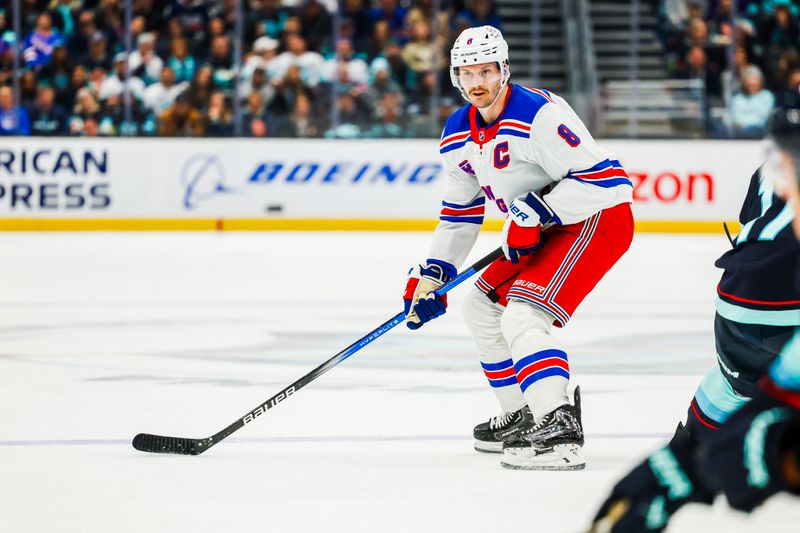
646, 498
421, 304
522, 231
756, 453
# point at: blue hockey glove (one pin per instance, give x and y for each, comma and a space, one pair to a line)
646, 498
755, 453
421, 304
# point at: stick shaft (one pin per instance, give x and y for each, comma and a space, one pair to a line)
159, 444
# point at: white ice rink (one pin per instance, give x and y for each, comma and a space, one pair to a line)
103, 336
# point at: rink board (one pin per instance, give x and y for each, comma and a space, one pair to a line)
280, 184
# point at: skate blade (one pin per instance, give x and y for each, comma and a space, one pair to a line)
488, 447
563, 457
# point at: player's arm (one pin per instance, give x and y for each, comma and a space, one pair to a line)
589, 178
460, 221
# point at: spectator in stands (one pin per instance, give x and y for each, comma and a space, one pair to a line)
216, 28
393, 55
316, 24
751, 107
27, 89
221, 62
381, 83
143, 62
394, 15
309, 63
78, 79
355, 12
289, 88
150, 12
269, 18
303, 121
201, 87
86, 108
254, 122
390, 122
165, 39
420, 53
356, 68
113, 122
352, 119
480, 13
192, 16
265, 50
98, 55
379, 40
137, 29
696, 67
47, 118
38, 46
258, 83
111, 19
115, 83
181, 63
790, 96
78, 43
13, 118
63, 13
218, 118
159, 96
57, 73
181, 119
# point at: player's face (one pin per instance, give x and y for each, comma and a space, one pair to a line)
481, 83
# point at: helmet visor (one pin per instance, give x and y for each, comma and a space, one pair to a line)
473, 76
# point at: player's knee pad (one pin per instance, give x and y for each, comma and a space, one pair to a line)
521, 319
482, 317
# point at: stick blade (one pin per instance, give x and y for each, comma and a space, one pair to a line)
145, 442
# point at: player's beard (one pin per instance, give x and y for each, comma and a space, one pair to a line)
487, 98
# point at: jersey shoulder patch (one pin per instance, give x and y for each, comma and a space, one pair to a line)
456, 131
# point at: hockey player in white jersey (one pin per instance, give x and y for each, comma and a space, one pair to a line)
568, 221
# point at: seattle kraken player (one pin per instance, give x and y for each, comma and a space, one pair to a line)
568, 222
742, 436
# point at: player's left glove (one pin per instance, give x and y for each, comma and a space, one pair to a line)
421, 304
644, 500
522, 231
756, 453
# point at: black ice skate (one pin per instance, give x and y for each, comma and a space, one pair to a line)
490, 435
552, 444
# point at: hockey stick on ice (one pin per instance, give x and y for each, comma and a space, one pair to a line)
146, 442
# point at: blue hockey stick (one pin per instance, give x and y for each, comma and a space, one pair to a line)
146, 442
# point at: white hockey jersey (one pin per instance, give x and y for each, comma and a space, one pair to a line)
538, 145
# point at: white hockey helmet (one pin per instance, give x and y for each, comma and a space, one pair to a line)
484, 44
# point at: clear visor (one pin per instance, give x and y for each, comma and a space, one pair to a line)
488, 74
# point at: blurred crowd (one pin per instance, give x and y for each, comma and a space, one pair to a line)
747, 52
381, 71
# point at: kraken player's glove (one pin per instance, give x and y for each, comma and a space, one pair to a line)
421, 304
644, 500
522, 230
755, 453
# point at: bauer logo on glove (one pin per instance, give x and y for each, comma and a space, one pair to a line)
522, 231
421, 303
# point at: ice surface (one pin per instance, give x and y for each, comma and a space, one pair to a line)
103, 336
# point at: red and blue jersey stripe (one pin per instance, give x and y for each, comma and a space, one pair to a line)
471, 213
540, 365
500, 374
607, 173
